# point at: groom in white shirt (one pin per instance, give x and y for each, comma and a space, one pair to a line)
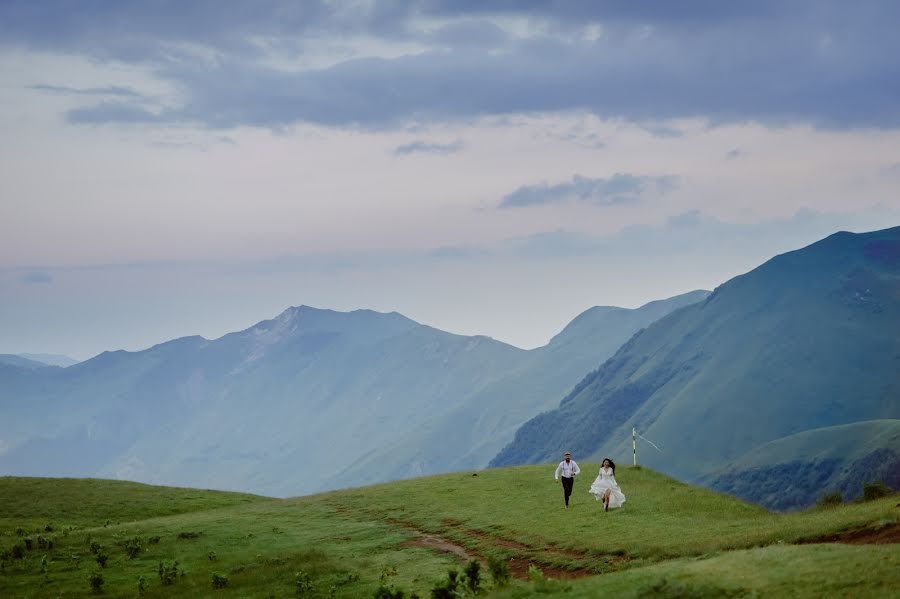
568, 468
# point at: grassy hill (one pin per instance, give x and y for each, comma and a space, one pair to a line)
806, 341
670, 539
800, 468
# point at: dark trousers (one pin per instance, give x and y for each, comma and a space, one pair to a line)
567, 487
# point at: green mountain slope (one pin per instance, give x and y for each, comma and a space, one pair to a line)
310, 400
675, 538
799, 469
807, 340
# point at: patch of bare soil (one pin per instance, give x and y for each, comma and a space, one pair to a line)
439, 544
860, 536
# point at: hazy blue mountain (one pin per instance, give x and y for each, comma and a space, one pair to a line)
293, 404
51, 359
20, 361
468, 432
809, 340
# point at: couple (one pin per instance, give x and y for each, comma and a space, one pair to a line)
603, 488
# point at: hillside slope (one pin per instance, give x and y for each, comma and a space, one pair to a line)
799, 469
807, 340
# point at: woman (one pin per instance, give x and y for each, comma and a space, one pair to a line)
606, 488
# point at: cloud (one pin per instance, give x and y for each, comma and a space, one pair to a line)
423, 147
697, 232
36, 277
110, 90
617, 189
735, 154
830, 64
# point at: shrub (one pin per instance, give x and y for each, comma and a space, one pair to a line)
48, 528
44, 564
29, 543
133, 547
303, 584
446, 589
102, 558
875, 490
17, 551
168, 575
383, 592
831, 499
95, 547
473, 576
535, 575
219, 581
153, 541
499, 571
142, 585
187, 535
212, 556
96, 581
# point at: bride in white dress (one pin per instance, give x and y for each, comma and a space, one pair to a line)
605, 488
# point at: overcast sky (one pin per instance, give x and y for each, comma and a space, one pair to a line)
171, 168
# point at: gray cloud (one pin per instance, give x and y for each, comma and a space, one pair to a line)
621, 188
110, 90
423, 147
734, 154
832, 64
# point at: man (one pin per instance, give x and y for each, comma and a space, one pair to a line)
569, 469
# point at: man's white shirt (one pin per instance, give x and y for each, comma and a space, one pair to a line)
567, 469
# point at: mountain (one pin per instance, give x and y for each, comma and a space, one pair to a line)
296, 404
20, 361
51, 359
809, 340
472, 430
799, 469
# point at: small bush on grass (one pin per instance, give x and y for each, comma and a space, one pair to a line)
831, 499
133, 547
303, 584
383, 592
95, 547
168, 575
95, 579
187, 535
20, 532
446, 589
153, 541
142, 586
472, 573
29, 543
17, 551
212, 556
219, 581
875, 490
499, 570
102, 558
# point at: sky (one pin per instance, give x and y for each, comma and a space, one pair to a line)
174, 168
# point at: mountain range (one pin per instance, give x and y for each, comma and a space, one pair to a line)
310, 400
782, 377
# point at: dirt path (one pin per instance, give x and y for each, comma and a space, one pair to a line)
887, 534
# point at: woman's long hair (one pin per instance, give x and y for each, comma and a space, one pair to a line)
611, 464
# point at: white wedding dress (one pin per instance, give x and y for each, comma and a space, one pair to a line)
607, 480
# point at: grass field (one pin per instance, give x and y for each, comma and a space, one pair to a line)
669, 540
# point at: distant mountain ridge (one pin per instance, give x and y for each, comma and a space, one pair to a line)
808, 340
310, 400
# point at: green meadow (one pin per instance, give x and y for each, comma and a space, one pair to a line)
669, 540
